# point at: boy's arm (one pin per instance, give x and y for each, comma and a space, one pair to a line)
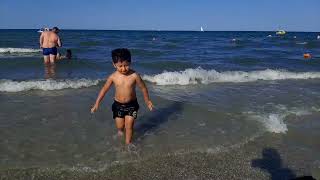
102, 92
145, 92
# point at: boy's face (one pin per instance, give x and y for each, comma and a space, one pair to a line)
122, 67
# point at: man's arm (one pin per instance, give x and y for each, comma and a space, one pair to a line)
59, 42
41, 40
145, 92
102, 92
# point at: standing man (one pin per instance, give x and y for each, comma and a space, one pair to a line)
49, 41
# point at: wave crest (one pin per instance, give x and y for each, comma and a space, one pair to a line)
19, 50
199, 75
49, 84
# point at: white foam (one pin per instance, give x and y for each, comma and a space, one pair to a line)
49, 84
274, 123
199, 75
302, 43
19, 50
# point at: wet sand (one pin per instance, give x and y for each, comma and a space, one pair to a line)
265, 157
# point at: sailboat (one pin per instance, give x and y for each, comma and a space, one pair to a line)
201, 29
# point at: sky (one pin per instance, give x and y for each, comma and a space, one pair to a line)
212, 15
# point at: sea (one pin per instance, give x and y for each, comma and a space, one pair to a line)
213, 92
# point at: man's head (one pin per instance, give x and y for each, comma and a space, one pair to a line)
55, 29
121, 59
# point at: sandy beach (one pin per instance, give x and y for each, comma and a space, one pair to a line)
264, 158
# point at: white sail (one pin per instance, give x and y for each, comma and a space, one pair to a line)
201, 29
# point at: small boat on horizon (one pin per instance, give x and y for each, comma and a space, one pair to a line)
201, 29
281, 32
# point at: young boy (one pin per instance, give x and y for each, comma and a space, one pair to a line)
67, 56
125, 106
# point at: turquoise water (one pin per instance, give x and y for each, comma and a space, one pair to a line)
212, 91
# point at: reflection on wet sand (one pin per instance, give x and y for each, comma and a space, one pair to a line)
50, 71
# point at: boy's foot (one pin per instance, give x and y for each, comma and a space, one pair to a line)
131, 147
120, 133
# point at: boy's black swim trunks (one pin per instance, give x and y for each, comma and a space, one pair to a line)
125, 109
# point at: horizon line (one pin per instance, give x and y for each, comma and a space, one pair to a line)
159, 30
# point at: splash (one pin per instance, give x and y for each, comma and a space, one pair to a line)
275, 122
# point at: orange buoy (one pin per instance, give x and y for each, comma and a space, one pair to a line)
307, 55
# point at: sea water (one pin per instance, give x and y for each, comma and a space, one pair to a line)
212, 92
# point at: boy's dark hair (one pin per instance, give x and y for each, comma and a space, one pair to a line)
121, 54
69, 54
56, 29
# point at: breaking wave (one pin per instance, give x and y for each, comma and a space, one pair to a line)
49, 84
19, 50
202, 76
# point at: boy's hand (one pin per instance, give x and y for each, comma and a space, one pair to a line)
94, 108
150, 105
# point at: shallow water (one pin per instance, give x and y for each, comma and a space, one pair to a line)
211, 94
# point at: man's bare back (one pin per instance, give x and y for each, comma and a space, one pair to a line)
49, 39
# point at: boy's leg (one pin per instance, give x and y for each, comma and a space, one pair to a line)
129, 122
120, 125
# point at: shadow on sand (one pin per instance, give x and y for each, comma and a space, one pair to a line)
272, 163
160, 116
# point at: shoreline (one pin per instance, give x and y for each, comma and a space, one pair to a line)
255, 160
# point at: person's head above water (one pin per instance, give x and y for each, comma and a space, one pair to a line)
121, 54
69, 54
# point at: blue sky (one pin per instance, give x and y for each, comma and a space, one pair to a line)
214, 15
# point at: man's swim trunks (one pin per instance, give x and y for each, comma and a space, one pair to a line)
48, 51
125, 109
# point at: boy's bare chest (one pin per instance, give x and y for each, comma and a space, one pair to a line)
126, 82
